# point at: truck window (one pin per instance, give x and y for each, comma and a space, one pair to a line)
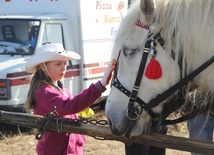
18, 37
53, 33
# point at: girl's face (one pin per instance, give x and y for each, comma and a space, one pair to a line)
56, 69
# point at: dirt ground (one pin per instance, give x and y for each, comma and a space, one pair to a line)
23, 143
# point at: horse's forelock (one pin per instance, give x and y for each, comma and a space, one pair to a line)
127, 28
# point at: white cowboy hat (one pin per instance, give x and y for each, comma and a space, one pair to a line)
49, 52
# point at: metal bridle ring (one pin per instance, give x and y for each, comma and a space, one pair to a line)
136, 115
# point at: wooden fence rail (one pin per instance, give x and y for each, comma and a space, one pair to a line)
65, 125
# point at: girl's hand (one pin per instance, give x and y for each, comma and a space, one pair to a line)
108, 73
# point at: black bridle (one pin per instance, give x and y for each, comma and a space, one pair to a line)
134, 111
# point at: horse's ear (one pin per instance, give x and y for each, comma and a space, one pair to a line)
147, 8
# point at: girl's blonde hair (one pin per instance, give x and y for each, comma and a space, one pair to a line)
36, 80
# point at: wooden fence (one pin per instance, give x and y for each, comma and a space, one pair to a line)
64, 125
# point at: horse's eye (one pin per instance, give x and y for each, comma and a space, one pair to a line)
128, 51
133, 51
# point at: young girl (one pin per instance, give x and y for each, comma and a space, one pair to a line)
48, 65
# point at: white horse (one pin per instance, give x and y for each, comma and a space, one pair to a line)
187, 28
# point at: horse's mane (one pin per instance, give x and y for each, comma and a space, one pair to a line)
188, 29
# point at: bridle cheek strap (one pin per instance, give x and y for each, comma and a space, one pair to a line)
133, 112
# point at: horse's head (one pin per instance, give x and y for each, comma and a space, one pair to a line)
126, 107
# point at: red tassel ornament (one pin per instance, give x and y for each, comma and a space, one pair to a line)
153, 70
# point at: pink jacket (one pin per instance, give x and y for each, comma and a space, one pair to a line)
46, 97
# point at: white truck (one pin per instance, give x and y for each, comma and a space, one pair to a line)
84, 26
